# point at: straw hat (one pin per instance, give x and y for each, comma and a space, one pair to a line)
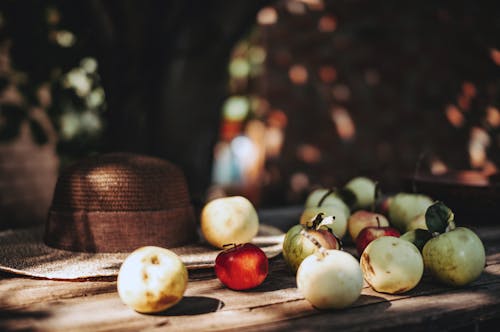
107, 206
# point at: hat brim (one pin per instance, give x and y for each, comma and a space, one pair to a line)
24, 252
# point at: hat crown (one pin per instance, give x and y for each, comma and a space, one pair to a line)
119, 202
120, 182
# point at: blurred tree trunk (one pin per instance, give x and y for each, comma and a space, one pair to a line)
164, 69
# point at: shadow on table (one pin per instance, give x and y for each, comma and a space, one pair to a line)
8, 318
194, 305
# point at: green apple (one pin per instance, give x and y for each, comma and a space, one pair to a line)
327, 197
330, 279
303, 240
418, 237
392, 265
229, 220
417, 223
405, 207
455, 256
363, 189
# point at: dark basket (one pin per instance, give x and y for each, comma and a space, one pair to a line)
473, 197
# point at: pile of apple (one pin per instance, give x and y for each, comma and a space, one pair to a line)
389, 262
153, 279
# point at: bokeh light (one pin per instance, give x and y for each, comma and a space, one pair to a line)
454, 116
327, 23
267, 16
343, 123
309, 153
493, 116
236, 108
327, 74
298, 74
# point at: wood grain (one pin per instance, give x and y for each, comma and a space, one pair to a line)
47, 305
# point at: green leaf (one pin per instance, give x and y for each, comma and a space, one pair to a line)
437, 217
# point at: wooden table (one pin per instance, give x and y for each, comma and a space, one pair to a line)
33, 304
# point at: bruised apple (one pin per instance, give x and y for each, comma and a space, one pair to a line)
229, 220
302, 240
392, 265
152, 279
330, 279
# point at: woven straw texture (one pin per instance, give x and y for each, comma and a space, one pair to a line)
120, 182
118, 202
23, 252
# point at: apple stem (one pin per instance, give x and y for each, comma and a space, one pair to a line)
322, 251
317, 220
232, 245
378, 221
331, 190
451, 226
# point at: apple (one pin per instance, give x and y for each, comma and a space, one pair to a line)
364, 190
330, 279
229, 220
152, 279
392, 265
338, 224
302, 240
370, 233
417, 223
382, 204
362, 219
405, 207
242, 266
327, 197
455, 256
418, 237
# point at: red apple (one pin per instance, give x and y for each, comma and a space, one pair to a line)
361, 219
368, 234
242, 266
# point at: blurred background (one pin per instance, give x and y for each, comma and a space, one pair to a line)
268, 99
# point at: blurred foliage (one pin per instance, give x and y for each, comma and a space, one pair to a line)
46, 64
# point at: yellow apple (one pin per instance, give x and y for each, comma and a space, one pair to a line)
332, 279
392, 265
152, 279
229, 220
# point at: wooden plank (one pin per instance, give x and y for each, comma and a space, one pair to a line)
37, 304
218, 308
